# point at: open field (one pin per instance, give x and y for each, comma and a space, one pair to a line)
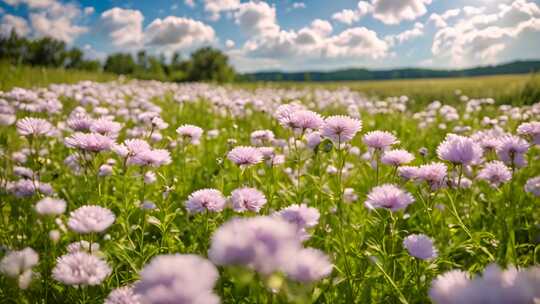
150, 192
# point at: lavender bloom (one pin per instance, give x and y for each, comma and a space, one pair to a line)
26, 188
313, 139
50, 206
285, 112
496, 173
30, 126
459, 150
261, 137
205, 199
420, 246
89, 219
434, 174
447, 287
260, 243
511, 150
247, 199
153, 158
190, 133
300, 215
533, 186
306, 120
379, 140
105, 170
408, 172
308, 265
83, 246
179, 279
91, 142
80, 122
23, 172
245, 156
80, 268
396, 157
106, 127
388, 196
340, 128
530, 129
18, 265
122, 295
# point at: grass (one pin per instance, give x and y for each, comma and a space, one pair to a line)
31, 77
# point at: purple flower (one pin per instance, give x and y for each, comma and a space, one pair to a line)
179, 279
446, 288
122, 295
388, 196
496, 173
308, 265
30, 126
340, 128
80, 268
408, 172
245, 156
306, 120
379, 140
247, 199
434, 174
205, 199
511, 150
420, 246
313, 139
153, 158
15, 263
190, 133
300, 215
533, 186
90, 219
530, 129
396, 157
91, 142
459, 150
50, 206
106, 127
262, 137
285, 112
79, 122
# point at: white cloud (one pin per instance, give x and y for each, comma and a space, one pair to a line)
89, 10
215, 7
256, 18
349, 16
298, 5
440, 20
416, 31
123, 26
393, 12
485, 37
93, 54
190, 3
11, 22
176, 32
34, 4
471, 10
229, 44
58, 21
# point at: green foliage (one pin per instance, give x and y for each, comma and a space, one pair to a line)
209, 64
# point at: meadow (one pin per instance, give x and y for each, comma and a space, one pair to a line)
367, 192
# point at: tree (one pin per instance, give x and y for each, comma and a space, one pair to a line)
120, 63
209, 64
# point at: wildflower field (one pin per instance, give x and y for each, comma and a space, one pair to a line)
150, 192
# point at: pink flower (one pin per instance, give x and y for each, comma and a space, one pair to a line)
306, 120
91, 142
340, 128
247, 199
496, 173
396, 157
420, 246
245, 156
379, 140
511, 150
34, 126
191, 133
460, 150
388, 196
205, 199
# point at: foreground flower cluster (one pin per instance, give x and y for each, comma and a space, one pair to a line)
146, 192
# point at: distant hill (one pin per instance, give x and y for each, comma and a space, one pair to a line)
517, 67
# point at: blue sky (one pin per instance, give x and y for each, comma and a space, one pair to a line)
293, 35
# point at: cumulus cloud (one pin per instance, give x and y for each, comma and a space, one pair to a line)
50, 18
190, 3
484, 37
349, 16
89, 10
416, 31
215, 7
440, 20
256, 18
393, 12
229, 44
178, 32
11, 22
298, 5
124, 26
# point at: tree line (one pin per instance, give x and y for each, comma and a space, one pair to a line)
204, 64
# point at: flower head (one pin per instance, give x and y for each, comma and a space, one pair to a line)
50, 206
388, 196
511, 150
91, 142
262, 137
80, 268
151, 157
396, 157
420, 246
530, 129
34, 126
308, 265
379, 140
434, 174
460, 150
179, 279
340, 128
205, 199
306, 120
245, 156
15, 263
106, 127
247, 199
190, 133
496, 173
89, 219
122, 295
533, 186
